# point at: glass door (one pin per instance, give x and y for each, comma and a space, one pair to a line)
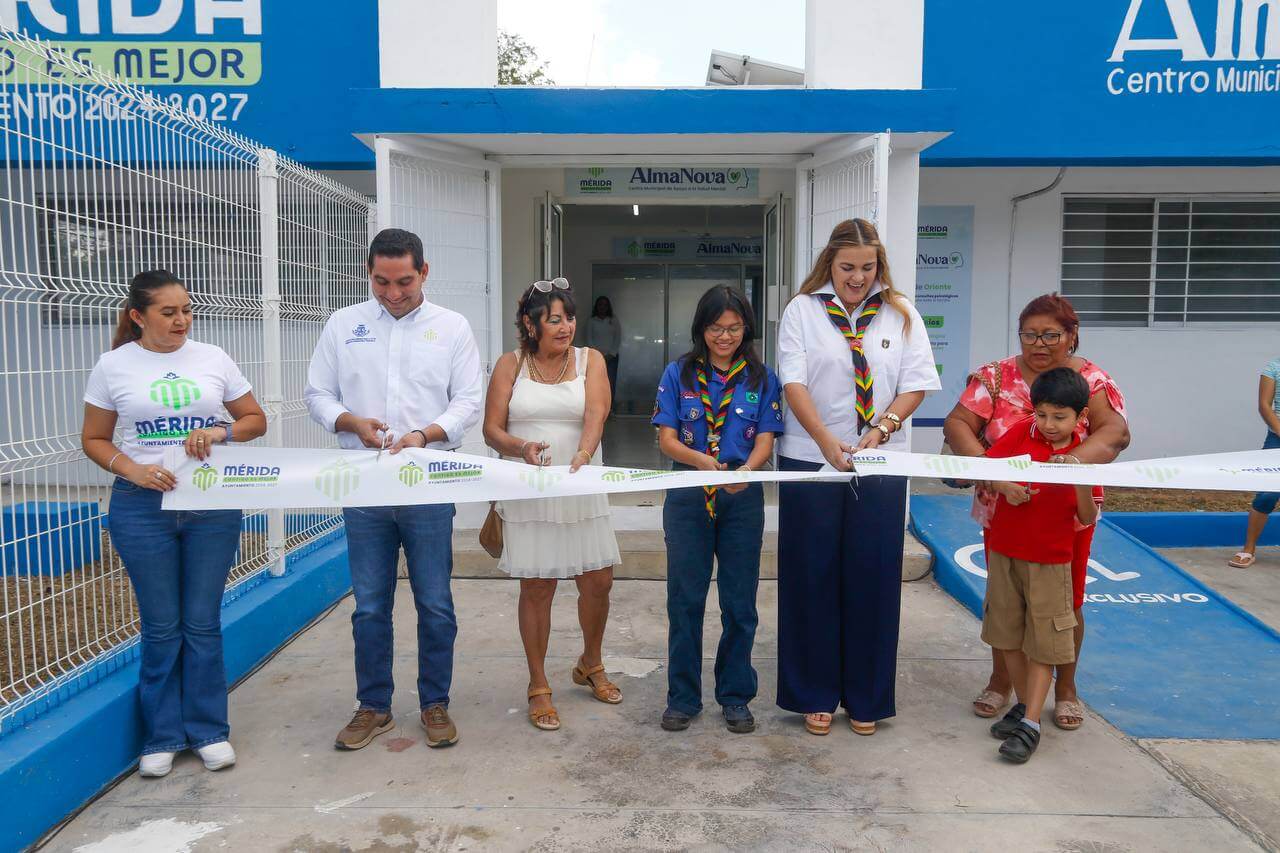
685, 286
638, 294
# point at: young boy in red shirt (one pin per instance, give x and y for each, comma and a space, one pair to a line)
1029, 610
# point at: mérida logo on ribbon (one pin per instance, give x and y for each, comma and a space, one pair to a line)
337, 480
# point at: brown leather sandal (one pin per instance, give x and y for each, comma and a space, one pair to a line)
551, 716
818, 723
861, 728
603, 689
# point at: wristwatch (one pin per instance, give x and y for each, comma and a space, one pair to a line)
890, 416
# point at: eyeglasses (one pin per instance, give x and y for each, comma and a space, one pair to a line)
1050, 339
559, 283
721, 331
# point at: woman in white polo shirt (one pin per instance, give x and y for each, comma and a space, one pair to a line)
854, 362
162, 389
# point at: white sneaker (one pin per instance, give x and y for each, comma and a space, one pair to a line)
155, 764
217, 755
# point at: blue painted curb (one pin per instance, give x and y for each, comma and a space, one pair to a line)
62, 758
1190, 529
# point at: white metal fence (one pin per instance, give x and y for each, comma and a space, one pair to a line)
101, 180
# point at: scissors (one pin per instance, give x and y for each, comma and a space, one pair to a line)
386, 440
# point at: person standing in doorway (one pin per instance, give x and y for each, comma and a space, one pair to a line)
855, 363
1264, 503
604, 333
163, 389
397, 371
717, 409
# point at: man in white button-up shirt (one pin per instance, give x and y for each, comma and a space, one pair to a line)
399, 371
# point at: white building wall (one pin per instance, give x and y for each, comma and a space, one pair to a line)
864, 44
1189, 390
437, 43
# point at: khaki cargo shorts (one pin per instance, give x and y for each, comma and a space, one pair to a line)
1028, 607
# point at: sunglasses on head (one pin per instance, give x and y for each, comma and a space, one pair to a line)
559, 283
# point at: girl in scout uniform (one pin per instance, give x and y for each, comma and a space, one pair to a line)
717, 409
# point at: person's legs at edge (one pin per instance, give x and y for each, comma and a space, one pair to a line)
1264, 503
536, 595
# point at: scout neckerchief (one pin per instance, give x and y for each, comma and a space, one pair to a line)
716, 416
864, 403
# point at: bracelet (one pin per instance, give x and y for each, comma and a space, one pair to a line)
113, 461
227, 439
520, 452
424, 437
890, 416
884, 430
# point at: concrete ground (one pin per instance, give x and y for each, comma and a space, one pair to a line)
611, 779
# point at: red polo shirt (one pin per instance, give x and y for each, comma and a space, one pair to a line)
1043, 529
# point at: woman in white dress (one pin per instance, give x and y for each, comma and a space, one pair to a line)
547, 404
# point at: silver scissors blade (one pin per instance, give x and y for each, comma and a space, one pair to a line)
386, 437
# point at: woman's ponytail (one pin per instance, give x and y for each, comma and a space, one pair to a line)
141, 290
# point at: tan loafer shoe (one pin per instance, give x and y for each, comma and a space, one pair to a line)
440, 729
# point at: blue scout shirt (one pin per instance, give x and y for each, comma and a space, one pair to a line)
752, 410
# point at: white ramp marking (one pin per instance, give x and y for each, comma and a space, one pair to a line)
154, 836
330, 808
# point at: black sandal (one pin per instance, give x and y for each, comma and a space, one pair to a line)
1019, 746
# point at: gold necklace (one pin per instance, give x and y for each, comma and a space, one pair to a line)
564, 368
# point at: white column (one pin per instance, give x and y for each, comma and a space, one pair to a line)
272, 396
864, 44
438, 43
903, 217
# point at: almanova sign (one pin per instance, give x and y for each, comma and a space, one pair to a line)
1220, 46
666, 180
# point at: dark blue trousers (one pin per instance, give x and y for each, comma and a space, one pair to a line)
694, 540
839, 593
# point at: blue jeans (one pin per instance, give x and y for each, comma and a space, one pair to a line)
1265, 502
178, 562
374, 537
694, 540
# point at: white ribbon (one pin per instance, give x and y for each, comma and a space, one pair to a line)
266, 478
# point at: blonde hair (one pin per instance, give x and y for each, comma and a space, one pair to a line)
848, 234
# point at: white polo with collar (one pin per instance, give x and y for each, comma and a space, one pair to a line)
812, 352
411, 372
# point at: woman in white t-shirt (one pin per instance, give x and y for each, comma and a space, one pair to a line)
162, 389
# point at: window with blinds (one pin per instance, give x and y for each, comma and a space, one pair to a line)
1171, 261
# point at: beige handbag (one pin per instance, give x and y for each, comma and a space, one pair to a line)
491, 530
